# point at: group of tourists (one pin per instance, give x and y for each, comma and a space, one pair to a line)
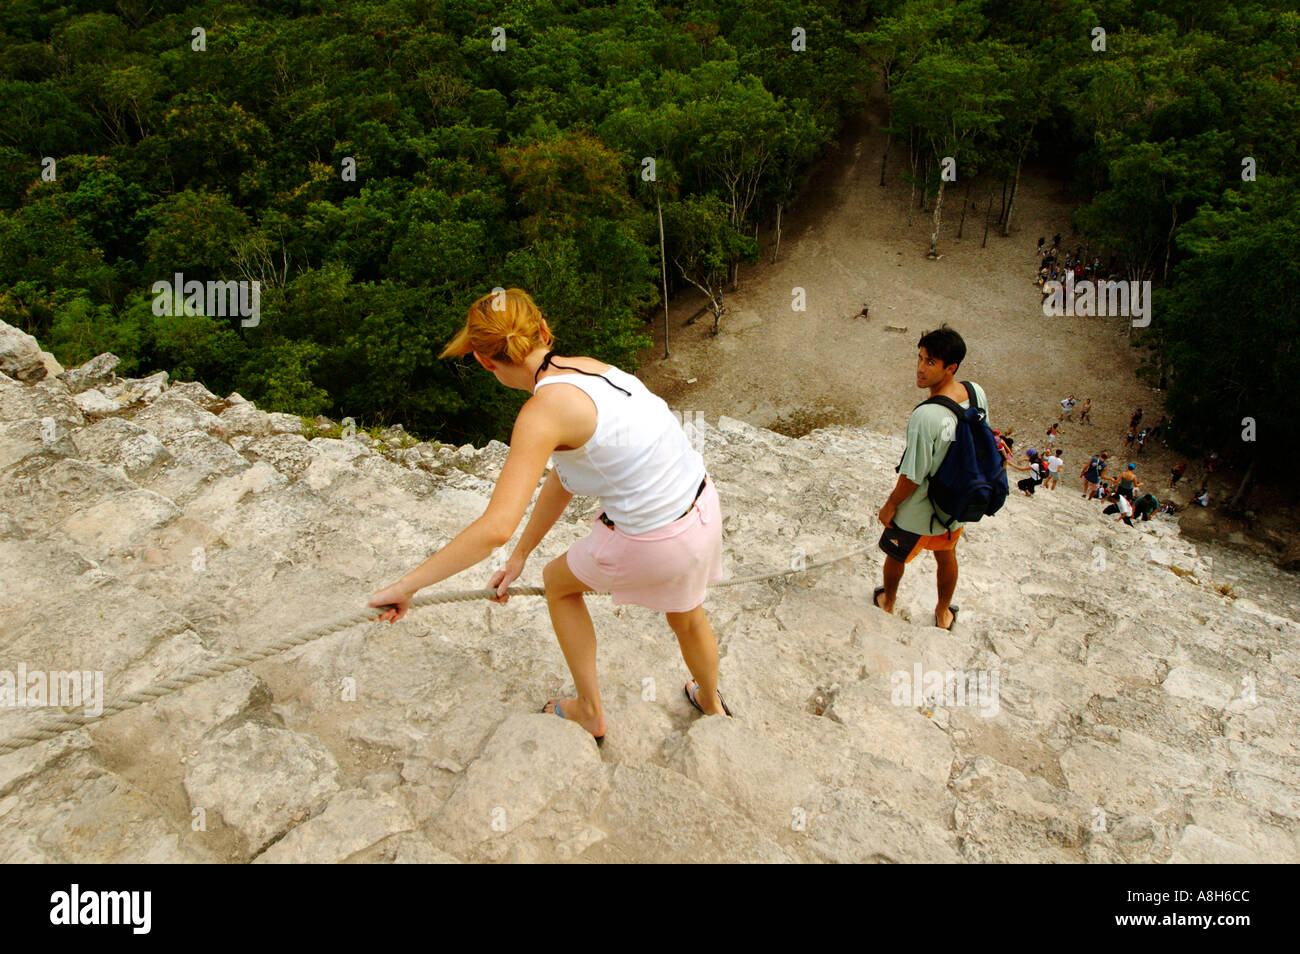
1054, 263
1138, 438
1067, 410
1202, 496
1119, 490
657, 539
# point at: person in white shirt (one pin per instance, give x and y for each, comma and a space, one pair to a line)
1122, 507
1054, 464
656, 543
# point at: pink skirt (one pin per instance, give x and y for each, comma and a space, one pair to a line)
668, 569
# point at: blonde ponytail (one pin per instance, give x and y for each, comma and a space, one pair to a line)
504, 330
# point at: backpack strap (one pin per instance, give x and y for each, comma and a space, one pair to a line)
944, 401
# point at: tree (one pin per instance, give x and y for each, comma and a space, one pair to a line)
702, 242
953, 98
1232, 332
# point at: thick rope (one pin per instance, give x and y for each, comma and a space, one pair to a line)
66, 722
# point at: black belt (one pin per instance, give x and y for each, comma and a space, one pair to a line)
610, 523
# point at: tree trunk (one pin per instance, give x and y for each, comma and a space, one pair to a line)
1169, 245
965, 203
911, 156
777, 246
988, 212
1238, 502
884, 158
663, 262
1011, 203
1002, 210
934, 236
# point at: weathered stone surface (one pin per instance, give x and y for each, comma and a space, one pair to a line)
900, 734
351, 822
119, 524
733, 764
121, 443
290, 454
58, 805
259, 778
195, 460
245, 419
95, 402
285, 423
1146, 715
169, 417
19, 402
22, 440
660, 816
853, 828
1187, 683
20, 355
193, 391
129, 391
98, 370
1199, 846
528, 762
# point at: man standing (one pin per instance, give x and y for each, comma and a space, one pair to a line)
909, 517
1054, 465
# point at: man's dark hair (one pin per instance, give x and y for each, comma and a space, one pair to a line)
945, 344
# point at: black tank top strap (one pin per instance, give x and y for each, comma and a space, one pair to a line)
547, 363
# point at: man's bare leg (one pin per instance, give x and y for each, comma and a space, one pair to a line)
947, 581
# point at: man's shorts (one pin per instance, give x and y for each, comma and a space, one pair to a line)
903, 545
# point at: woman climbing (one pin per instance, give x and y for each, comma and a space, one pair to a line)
657, 541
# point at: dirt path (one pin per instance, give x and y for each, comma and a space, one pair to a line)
846, 242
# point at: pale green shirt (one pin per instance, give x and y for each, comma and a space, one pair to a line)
930, 432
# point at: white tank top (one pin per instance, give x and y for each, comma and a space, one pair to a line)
638, 461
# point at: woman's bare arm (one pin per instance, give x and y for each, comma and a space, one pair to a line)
550, 504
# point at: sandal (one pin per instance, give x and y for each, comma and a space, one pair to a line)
690, 697
600, 739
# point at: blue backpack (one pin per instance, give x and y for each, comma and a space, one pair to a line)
972, 480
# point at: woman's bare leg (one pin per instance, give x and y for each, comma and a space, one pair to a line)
700, 652
577, 637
